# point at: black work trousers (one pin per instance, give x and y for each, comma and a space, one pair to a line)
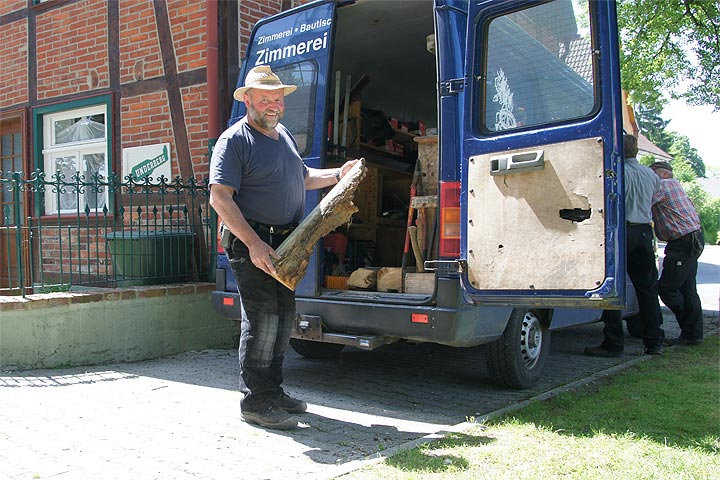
268, 317
678, 288
644, 275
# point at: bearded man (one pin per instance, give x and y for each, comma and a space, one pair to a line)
257, 187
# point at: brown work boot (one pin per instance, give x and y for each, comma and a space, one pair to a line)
270, 417
290, 404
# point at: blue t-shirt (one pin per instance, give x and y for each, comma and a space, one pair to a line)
268, 175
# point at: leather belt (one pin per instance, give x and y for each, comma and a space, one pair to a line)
273, 229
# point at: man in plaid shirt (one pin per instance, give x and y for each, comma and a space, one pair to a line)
677, 223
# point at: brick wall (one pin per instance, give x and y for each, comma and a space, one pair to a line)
140, 56
195, 108
73, 61
146, 120
72, 49
250, 12
9, 6
187, 21
76, 252
13, 52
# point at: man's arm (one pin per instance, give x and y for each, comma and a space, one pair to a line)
325, 177
660, 193
221, 199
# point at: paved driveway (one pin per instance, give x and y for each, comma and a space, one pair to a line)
178, 417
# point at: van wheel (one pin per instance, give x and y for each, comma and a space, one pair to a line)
311, 349
517, 359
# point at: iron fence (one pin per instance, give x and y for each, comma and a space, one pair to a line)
103, 232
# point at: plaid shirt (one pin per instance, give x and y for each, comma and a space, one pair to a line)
673, 211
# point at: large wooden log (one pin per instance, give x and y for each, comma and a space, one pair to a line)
335, 209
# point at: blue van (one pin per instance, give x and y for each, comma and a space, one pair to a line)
495, 127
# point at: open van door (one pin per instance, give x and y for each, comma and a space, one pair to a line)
541, 203
298, 47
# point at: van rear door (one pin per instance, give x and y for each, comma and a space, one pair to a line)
540, 176
298, 46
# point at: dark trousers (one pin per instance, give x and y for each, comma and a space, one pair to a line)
678, 289
644, 275
268, 315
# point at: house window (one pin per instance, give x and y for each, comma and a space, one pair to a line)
75, 151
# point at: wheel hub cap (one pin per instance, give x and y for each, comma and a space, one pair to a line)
530, 339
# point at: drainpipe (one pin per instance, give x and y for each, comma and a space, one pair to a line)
213, 74
213, 93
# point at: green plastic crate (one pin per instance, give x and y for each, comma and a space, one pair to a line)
152, 255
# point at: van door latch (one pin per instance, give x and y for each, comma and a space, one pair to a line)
446, 266
452, 87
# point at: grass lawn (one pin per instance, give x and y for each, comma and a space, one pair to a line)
660, 419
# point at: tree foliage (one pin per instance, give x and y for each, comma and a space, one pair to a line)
681, 149
664, 43
677, 145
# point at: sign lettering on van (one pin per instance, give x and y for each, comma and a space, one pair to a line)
270, 55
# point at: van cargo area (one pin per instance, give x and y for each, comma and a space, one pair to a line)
384, 66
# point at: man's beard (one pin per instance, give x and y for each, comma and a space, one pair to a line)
263, 121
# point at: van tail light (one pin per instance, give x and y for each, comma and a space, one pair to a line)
449, 219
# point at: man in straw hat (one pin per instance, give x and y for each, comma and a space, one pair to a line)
677, 223
257, 187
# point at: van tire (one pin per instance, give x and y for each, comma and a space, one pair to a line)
312, 349
510, 361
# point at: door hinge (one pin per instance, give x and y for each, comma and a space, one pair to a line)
452, 87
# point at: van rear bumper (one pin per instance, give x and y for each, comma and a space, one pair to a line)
464, 326
448, 320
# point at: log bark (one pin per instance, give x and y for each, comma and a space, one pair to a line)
335, 209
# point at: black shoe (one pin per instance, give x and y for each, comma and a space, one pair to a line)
671, 342
602, 352
654, 350
271, 417
290, 404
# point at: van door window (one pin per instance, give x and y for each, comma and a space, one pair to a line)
539, 67
300, 105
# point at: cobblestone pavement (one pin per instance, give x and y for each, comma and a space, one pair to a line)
178, 417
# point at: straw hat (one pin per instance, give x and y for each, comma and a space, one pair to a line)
263, 78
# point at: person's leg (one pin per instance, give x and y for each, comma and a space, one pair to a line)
692, 320
259, 329
678, 289
643, 273
613, 337
676, 269
286, 322
258, 337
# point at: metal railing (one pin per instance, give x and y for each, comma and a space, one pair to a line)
135, 233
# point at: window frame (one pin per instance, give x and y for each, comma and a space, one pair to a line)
42, 123
480, 111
